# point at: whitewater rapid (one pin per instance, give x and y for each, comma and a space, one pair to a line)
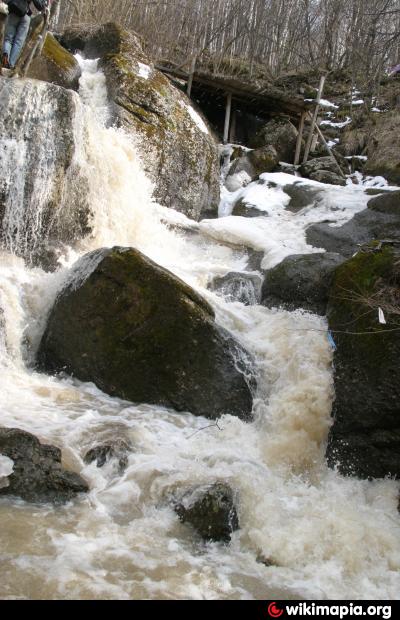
306, 532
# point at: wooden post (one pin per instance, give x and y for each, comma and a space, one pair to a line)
232, 131
314, 119
300, 138
227, 117
329, 150
191, 74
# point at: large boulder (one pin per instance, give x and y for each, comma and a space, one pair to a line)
179, 151
140, 333
279, 133
383, 148
211, 511
37, 474
365, 437
54, 64
43, 192
301, 281
381, 220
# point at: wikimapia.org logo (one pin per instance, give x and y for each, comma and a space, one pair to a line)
276, 610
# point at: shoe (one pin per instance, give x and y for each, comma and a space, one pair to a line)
5, 63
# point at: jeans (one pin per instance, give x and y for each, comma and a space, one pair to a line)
15, 34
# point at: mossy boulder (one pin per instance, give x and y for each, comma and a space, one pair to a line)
250, 165
55, 64
364, 440
211, 511
138, 332
37, 475
301, 281
178, 148
43, 190
279, 133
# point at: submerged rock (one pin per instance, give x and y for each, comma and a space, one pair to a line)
178, 148
281, 135
117, 449
238, 286
364, 440
211, 511
38, 475
140, 333
301, 281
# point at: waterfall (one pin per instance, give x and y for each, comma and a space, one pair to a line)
306, 532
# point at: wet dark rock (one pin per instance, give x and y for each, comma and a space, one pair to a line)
211, 511
386, 203
118, 449
38, 475
181, 159
239, 286
140, 333
364, 440
301, 281
281, 134
302, 196
364, 227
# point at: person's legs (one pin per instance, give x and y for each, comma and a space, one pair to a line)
10, 32
19, 40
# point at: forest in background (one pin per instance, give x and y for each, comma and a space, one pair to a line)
258, 38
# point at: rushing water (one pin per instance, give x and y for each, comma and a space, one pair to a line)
320, 535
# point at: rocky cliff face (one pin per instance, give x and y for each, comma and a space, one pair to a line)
42, 190
178, 148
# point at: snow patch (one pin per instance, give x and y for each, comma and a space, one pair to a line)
144, 71
195, 116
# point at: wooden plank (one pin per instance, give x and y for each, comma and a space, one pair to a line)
191, 74
300, 139
314, 119
227, 117
329, 150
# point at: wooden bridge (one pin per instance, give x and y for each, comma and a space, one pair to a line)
258, 99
